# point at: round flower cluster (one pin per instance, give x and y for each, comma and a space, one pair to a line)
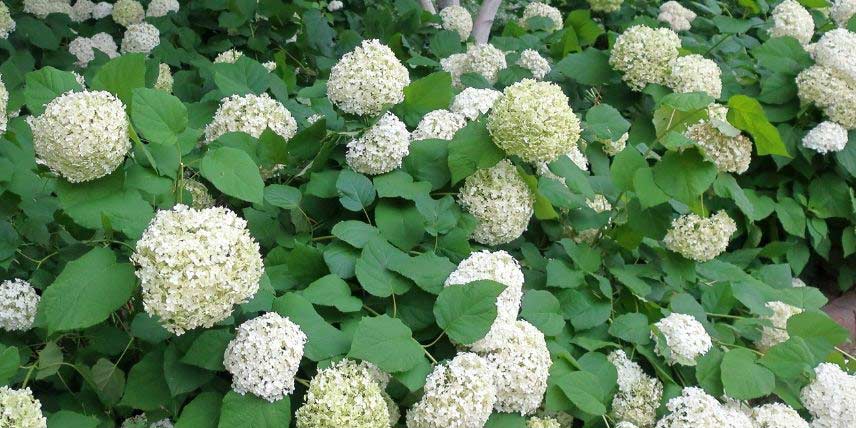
194, 265
43, 8
18, 305
522, 364
841, 11
82, 47
546, 422
82, 10
830, 90
335, 5
102, 10
537, 8
777, 333
457, 394
606, 6
730, 153
501, 202
348, 394
694, 408
441, 124
826, 137
837, 50
678, 17
4, 101
251, 114
127, 12
531, 60
791, 19
472, 102
700, 239
483, 59
685, 338
695, 73
367, 79
81, 135
644, 55
200, 198
141, 421
638, 395
19, 409
7, 24
164, 81
159, 8
140, 38
831, 397
534, 121
457, 18
380, 149
777, 415
264, 356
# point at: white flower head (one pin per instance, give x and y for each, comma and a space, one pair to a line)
441, 124
158, 8
483, 59
685, 338
83, 48
677, 16
140, 38
4, 101
82, 10
729, 153
127, 12
841, 11
826, 137
19, 409
831, 397
695, 73
335, 5
500, 201
367, 79
792, 19
7, 24
43, 8
381, 149
537, 8
457, 18
531, 60
777, 415
18, 305
644, 55
230, 56
700, 239
694, 408
472, 102
837, 50
141, 421
164, 81
102, 10
638, 395
251, 114
830, 90
777, 332
522, 364
606, 6
545, 422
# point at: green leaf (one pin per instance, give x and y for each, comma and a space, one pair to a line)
282, 196
624, 167
746, 114
121, 76
249, 411
9, 362
356, 192
387, 343
88, 204
743, 378
583, 309
605, 122
94, 282
234, 173
590, 67
432, 92
331, 290
505, 420
50, 360
373, 269
467, 311
207, 350
631, 327
428, 270
202, 412
684, 175
158, 116
792, 216
46, 84
354, 232
68, 419
583, 389
400, 223
816, 324
542, 309
709, 373
323, 340
182, 378
782, 54
472, 149
243, 77
649, 193
109, 381
427, 161
146, 388
790, 359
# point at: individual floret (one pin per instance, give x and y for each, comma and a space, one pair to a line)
644, 55
537, 8
367, 79
638, 395
18, 305
472, 102
677, 16
127, 12
441, 124
140, 38
19, 409
695, 73
831, 397
685, 339
791, 19
605, 6
531, 60
842, 11
251, 114
500, 201
700, 239
776, 332
522, 364
777, 415
381, 149
457, 18
158, 8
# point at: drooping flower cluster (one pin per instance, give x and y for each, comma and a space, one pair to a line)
381, 149
251, 114
164, 81
534, 121
127, 12
777, 415
777, 332
194, 265
522, 364
472, 102
638, 395
140, 38
826, 137
264, 356
366, 79
792, 19
644, 55
694, 408
43, 8
831, 397
83, 47
158, 8
695, 73
677, 16
545, 422
457, 18
348, 394
81, 135
841, 11
686, 339
537, 8
722, 144
700, 239
531, 60
500, 201
200, 198
442, 124
18, 305
19, 409
606, 6
7, 24
483, 59
457, 394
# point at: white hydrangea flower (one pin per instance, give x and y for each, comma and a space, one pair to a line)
140, 38
367, 79
546, 422
500, 201
534, 121
141, 421
837, 50
83, 48
625, 424
381, 149
831, 397
599, 204
537, 8
777, 333
728, 153
841, 11
457, 394
456, 65
644, 55
194, 265
531, 60
791, 19
4, 103
102, 10
264, 356
251, 114
43, 8
82, 10
796, 282
578, 158
685, 338
18, 305
19, 409
335, 5
777, 415
522, 364
200, 198
831, 91
612, 148
483, 59
81, 135
457, 18
638, 395
695, 73
826, 137
677, 16
164, 81
694, 408
700, 239
441, 124
347, 394
159, 8
472, 102
606, 6
7, 24
127, 12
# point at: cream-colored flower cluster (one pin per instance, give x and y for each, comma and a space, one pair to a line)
676, 15
483, 59
694, 408
700, 239
7, 24
837, 50
686, 339
842, 11
335, 5
792, 19
457, 394
140, 38
264, 356
18, 305
545, 422
251, 114
522, 364
82, 10
127, 12
457, 18
164, 81
500, 201
606, 6
195, 265
348, 394
730, 153
695, 73
102, 10
831, 397
537, 8
83, 47
644, 55
158, 8
831, 91
367, 79
43, 8
441, 124
826, 137
381, 149
534, 121
777, 415
638, 395
19, 409
776, 332
531, 60
472, 102
81, 135
614, 147
4, 103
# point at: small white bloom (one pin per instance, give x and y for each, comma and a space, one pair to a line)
841, 11
837, 50
791, 19
537, 8
19, 409
102, 10
441, 124
694, 73
606, 6
685, 338
335, 5
472, 102
777, 415
777, 333
457, 18
696, 409
140, 38
164, 81
522, 364
531, 60
700, 239
7, 24
831, 397
127, 12
251, 114
826, 137
158, 8
18, 305
483, 59
82, 10
677, 16
367, 79
83, 48
501, 202
43, 8
380, 149
638, 395
644, 55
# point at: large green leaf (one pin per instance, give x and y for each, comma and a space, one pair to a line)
202, 412
432, 92
467, 311
46, 84
234, 173
158, 116
146, 388
684, 175
746, 114
743, 378
387, 343
472, 149
249, 411
90, 203
323, 340
356, 191
121, 76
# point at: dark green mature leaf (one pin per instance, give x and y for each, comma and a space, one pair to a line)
543, 310
816, 324
331, 290
319, 35
249, 411
46, 84
684, 175
782, 54
387, 343
68, 419
180, 377
590, 67
243, 77
323, 340
790, 359
792, 217
146, 388
605, 122
583, 389
374, 269
472, 149
234, 173
282, 196
467, 311
356, 191
88, 204
631, 327
400, 223
9, 362
158, 116
432, 92
202, 412
743, 378
505, 420
428, 270
121, 76
207, 350
746, 114
354, 232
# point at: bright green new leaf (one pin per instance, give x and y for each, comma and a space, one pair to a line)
467, 311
